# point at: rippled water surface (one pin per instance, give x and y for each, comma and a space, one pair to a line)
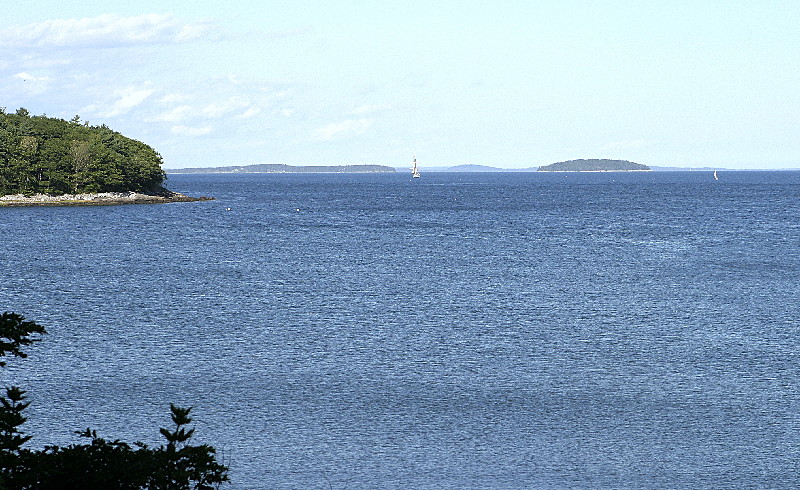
499, 331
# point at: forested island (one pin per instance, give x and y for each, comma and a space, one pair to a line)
594, 165
285, 169
46, 160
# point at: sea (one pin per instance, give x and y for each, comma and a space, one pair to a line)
457, 331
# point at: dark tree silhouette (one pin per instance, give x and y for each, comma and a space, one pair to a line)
98, 464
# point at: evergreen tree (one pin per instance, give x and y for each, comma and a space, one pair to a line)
39, 154
99, 464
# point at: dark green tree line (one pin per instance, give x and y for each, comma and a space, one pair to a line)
98, 464
40, 154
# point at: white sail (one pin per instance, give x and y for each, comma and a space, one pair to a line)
414, 170
715, 175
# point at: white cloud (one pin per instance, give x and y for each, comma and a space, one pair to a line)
176, 115
188, 131
103, 30
224, 108
250, 112
27, 77
129, 99
126, 99
174, 98
349, 127
31, 85
216, 110
190, 32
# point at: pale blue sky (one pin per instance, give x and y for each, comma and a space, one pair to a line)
509, 83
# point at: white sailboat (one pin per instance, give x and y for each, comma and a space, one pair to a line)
414, 170
715, 175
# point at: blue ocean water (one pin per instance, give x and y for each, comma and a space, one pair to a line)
497, 331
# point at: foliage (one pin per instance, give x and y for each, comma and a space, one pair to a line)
39, 154
16, 332
99, 464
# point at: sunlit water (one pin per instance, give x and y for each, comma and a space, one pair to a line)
456, 331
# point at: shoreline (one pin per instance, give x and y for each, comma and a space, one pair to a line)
97, 199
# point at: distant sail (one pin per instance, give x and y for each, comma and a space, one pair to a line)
414, 170
715, 175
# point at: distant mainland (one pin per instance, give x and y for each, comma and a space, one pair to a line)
583, 165
580, 165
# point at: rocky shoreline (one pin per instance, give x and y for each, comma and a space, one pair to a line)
100, 199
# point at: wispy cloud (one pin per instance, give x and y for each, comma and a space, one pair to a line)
124, 100
103, 30
176, 97
190, 131
25, 76
30, 84
347, 128
225, 107
250, 112
175, 115
193, 112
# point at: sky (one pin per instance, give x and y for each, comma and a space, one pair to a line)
512, 84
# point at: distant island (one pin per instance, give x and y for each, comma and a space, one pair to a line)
594, 165
277, 168
591, 165
50, 161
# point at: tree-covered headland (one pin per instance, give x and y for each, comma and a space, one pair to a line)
45, 155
